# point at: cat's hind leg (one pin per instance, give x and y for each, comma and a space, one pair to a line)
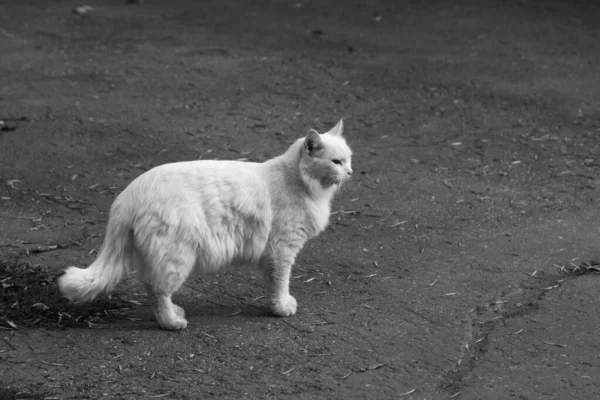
165, 272
168, 314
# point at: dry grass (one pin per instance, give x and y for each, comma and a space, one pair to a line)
29, 298
584, 267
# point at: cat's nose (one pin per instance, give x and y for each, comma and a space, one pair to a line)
349, 172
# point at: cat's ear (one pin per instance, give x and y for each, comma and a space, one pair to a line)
338, 129
313, 142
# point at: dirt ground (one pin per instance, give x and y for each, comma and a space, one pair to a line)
475, 127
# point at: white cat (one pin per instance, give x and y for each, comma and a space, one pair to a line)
205, 215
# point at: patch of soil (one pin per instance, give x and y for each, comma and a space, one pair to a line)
29, 299
17, 394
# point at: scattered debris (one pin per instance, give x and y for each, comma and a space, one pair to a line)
29, 298
288, 371
397, 224
12, 182
584, 267
210, 336
373, 367
447, 184
83, 10
13, 37
351, 212
376, 366
53, 364
553, 344
551, 287
14, 122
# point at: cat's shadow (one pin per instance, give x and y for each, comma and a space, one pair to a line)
141, 317
216, 310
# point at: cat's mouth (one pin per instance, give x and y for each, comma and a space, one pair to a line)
334, 181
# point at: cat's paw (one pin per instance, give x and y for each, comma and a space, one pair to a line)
284, 307
172, 319
173, 324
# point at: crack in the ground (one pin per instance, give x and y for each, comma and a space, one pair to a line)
483, 320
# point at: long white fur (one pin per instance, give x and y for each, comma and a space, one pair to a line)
205, 215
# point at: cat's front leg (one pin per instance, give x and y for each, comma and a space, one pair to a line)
277, 270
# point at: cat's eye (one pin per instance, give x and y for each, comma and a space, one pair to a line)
336, 162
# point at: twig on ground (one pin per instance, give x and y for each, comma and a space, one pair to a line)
288, 371
407, 393
54, 364
553, 344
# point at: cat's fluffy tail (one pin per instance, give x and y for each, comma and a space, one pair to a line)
103, 275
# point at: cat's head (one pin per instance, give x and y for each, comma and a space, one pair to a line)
326, 158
